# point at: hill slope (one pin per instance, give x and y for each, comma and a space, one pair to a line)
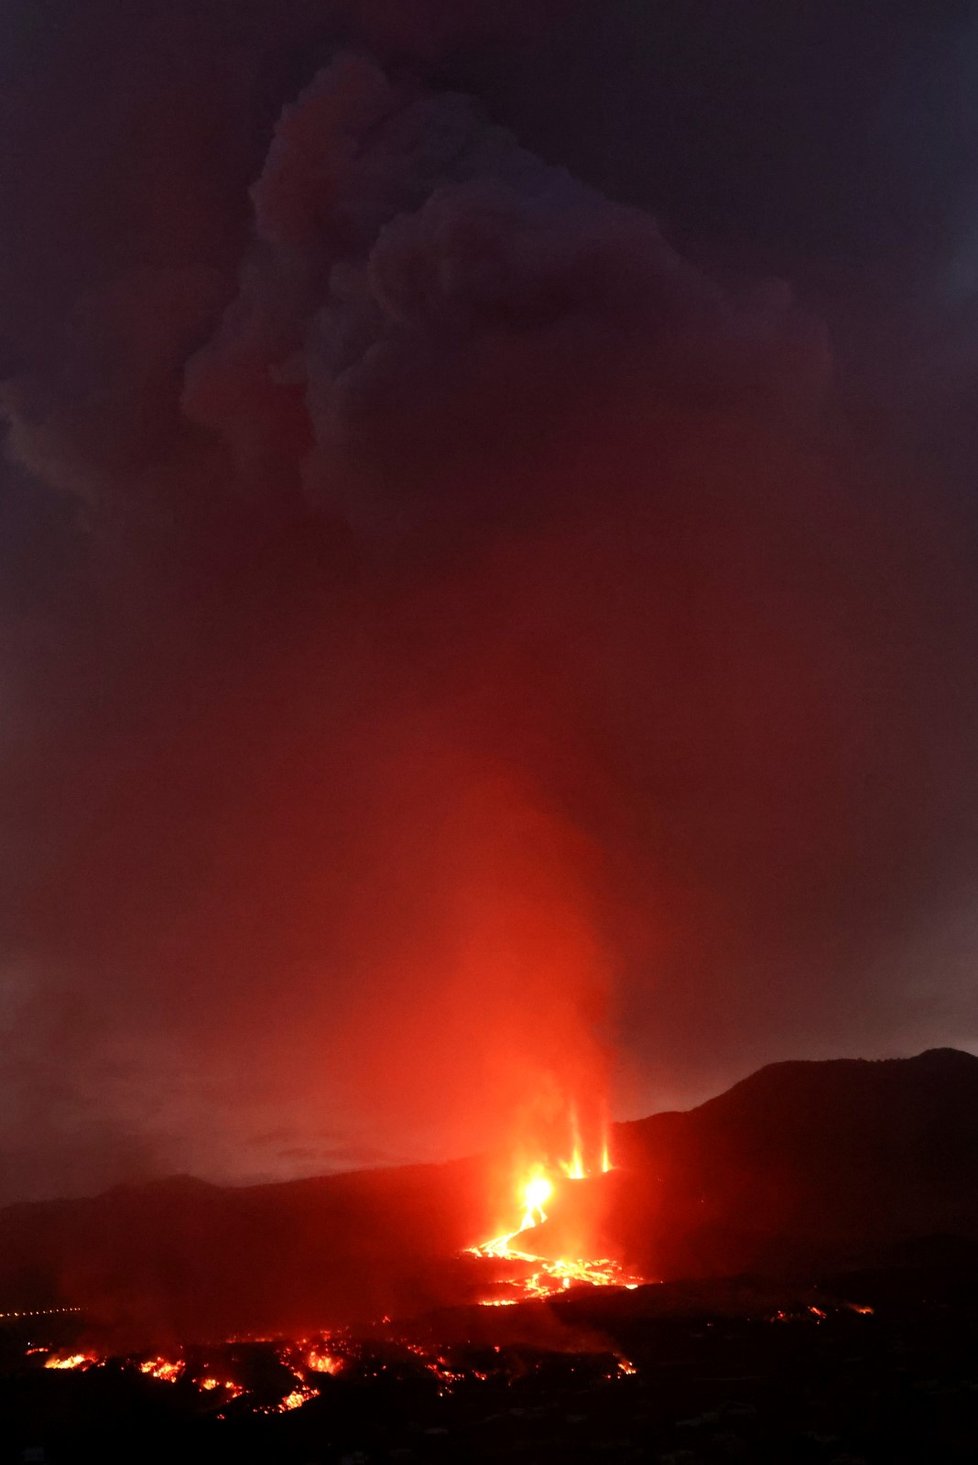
804, 1161
799, 1166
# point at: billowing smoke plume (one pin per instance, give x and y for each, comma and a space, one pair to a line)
459, 658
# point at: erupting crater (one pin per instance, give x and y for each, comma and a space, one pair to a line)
559, 1260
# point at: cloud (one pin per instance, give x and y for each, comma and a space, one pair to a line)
105, 407
455, 642
416, 272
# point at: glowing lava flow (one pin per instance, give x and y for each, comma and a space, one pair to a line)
295, 1400
541, 1276
320, 1361
72, 1360
163, 1368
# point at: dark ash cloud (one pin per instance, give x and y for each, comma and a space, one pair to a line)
461, 634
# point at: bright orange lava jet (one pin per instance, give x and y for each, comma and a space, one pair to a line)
539, 1276
536, 1193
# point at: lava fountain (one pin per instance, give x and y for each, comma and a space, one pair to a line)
534, 1274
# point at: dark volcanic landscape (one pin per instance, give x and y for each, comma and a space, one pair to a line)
800, 1167
488, 608
812, 1235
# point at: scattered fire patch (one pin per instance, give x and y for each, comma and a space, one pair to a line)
319, 1361
294, 1400
162, 1368
279, 1376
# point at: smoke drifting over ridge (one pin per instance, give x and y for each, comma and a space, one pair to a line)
448, 632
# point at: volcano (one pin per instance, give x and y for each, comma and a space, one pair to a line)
800, 1167
367, 1316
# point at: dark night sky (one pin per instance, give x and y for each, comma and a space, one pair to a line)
488, 598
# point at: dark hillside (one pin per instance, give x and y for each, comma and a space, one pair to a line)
800, 1167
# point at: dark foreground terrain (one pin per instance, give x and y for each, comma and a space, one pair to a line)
851, 1187
878, 1367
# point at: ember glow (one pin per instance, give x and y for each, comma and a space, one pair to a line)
319, 1361
295, 1400
439, 1366
224, 1375
71, 1360
219, 1381
229, 1389
163, 1368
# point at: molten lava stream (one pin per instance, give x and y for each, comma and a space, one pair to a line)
539, 1276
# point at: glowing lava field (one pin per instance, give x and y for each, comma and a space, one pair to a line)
819, 1300
697, 1374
